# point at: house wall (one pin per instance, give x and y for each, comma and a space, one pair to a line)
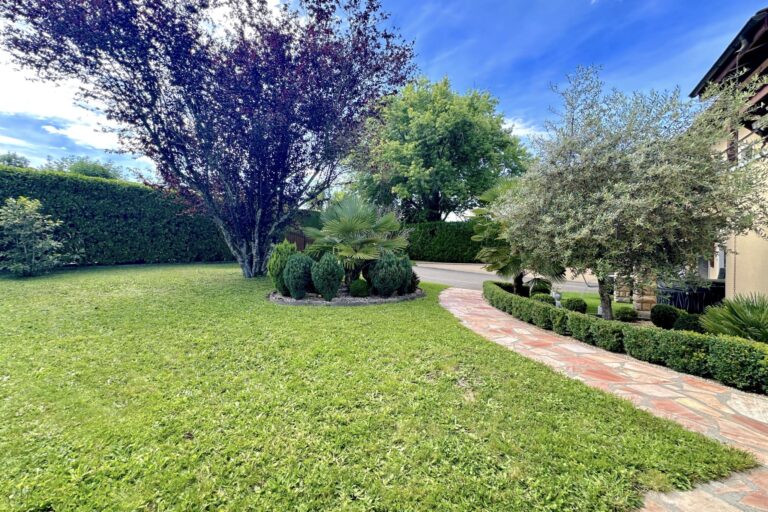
746, 267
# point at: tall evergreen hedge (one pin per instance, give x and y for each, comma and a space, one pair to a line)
449, 242
112, 222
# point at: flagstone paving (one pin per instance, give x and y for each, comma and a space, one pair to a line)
726, 414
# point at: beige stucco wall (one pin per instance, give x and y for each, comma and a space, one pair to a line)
746, 268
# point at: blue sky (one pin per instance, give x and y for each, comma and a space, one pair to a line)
512, 48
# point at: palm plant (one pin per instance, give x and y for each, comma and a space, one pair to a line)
356, 232
744, 315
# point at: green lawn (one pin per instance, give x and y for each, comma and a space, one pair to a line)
182, 388
591, 298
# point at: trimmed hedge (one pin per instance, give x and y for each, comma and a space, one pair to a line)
111, 222
733, 361
449, 242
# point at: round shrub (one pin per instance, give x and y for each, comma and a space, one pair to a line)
298, 274
276, 264
407, 270
387, 274
543, 297
688, 322
359, 288
327, 275
664, 315
625, 314
574, 304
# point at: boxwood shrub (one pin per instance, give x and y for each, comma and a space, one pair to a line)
736, 362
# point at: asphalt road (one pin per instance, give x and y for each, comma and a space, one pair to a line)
469, 276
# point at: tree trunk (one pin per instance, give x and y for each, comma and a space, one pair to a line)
518, 283
603, 288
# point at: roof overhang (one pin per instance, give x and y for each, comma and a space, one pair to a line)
728, 62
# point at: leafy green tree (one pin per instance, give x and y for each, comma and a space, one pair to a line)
432, 152
356, 232
14, 160
634, 184
84, 166
27, 243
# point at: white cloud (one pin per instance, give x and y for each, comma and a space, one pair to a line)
523, 128
24, 95
13, 141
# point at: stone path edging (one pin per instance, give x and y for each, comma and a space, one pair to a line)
726, 414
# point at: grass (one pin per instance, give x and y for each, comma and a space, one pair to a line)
182, 388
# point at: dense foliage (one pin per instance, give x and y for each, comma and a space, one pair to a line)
736, 362
244, 109
688, 322
574, 304
28, 245
297, 275
357, 233
84, 166
327, 275
108, 221
744, 315
449, 242
388, 274
11, 159
625, 183
432, 152
625, 313
276, 264
543, 297
665, 316
359, 288
406, 271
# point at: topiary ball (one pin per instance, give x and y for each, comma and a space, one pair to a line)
625, 314
664, 315
544, 297
298, 274
327, 275
574, 304
276, 264
387, 274
359, 288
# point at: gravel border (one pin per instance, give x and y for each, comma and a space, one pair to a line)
345, 300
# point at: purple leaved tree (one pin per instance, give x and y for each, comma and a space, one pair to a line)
244, 109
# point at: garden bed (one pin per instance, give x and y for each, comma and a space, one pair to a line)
313, 299
736, 362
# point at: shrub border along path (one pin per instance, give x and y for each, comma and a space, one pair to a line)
728, 415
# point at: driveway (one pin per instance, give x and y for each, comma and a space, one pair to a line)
470, 276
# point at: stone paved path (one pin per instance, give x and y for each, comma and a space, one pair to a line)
723, 413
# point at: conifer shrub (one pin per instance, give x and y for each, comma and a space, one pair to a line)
327, 275
298, 274
407, 271
387, 274
276, 264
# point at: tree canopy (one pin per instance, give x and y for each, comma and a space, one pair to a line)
244, 109
634, 184
432, 152
84, 166
14, 160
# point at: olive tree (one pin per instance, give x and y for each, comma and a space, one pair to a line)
635, 184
